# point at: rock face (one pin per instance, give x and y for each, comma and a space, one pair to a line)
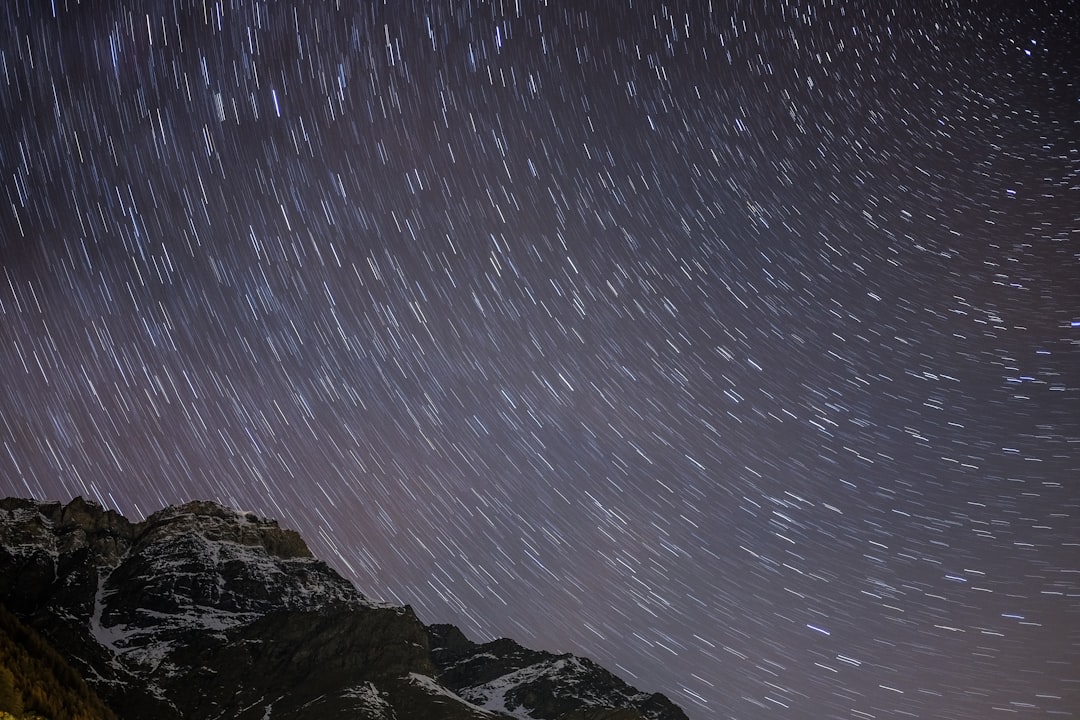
204, 612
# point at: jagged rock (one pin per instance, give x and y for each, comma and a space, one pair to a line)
203, 612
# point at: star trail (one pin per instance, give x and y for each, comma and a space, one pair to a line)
734, 345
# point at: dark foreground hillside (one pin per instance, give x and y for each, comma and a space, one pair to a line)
36, 680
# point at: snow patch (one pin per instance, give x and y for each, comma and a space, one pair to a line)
201, 617
492, 695
372, 699
108, 637
433, 688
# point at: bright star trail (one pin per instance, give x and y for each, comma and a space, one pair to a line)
734, 345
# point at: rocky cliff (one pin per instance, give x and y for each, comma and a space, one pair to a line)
204, 612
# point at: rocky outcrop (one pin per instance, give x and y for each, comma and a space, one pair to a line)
53, 528
220, 524
203, 612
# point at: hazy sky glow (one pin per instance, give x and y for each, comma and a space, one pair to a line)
736, 349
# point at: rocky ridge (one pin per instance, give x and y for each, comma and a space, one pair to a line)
502, 674
204, 612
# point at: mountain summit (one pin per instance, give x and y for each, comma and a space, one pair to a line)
204, 612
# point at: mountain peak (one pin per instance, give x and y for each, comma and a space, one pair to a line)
202, 596
219, 523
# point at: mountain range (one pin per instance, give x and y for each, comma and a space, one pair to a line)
201, 611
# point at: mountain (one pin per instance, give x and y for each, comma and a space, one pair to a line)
204, 612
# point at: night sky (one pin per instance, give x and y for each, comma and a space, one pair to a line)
737, 349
